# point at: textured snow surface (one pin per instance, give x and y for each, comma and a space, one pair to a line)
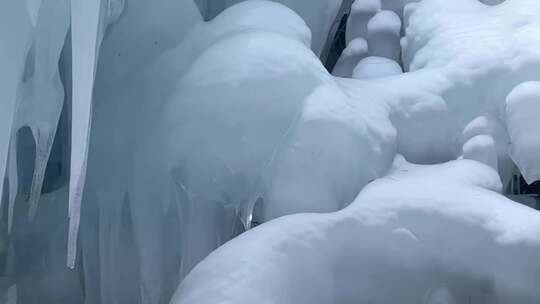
420, 232
137, 137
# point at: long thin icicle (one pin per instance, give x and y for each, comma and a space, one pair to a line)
85, 33
44, 142
13, 178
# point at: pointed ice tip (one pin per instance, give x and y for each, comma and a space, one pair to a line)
44, 140
13, 178
35, 194
86, 19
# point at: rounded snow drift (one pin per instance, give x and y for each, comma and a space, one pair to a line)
376, 67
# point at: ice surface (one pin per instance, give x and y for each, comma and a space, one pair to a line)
39, 96
129, 74
522, 107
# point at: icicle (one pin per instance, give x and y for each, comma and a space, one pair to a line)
13, 178
42, 98
44, 142
85, 33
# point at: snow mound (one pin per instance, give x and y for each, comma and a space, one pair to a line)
376, 67
462, 231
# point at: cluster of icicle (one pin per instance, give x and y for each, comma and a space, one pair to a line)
34, 89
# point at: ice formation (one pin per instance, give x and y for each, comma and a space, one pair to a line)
522, 107
142, 142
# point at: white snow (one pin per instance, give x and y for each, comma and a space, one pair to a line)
482, 149
376, 67
41, 95
352, 255
522, 108
383, 35
355, 51
435, 112
361, 13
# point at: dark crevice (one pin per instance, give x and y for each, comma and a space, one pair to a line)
338, 44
